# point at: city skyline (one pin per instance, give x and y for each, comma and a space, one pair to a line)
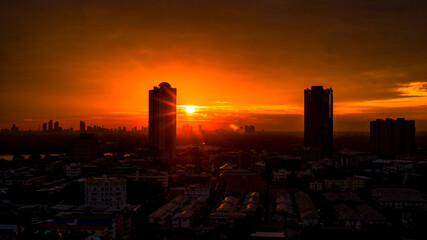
207, 120
52, 68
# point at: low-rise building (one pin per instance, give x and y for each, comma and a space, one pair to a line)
306, 209
397, 197
370, 216
191, 190
105, 192
316, 186
227, 212
162, 177
284, 208
185, 218
73, 170
163, 215
347, 216
352, 183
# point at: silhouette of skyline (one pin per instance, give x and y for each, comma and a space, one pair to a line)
248, 64
295, 120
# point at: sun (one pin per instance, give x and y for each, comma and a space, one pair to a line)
190, 109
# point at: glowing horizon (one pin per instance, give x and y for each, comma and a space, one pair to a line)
247, 67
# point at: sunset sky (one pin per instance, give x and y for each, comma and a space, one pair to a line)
238, 62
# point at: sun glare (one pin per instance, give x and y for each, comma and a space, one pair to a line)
190, 109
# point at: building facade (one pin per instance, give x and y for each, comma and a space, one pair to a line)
318, 119
82, 126
105, 192
85, 148
162, 122
393, 136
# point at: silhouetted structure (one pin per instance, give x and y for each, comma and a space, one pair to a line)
162, 121
14, 128
82, 126
318, 119
85, 148
393, 136
50, 128
56, 126
249, 129
44, 127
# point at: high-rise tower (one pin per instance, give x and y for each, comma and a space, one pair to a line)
50, 125
82, 126
318, 119
389, 136
162, 122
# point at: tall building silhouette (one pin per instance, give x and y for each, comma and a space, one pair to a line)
392, 136
50, 128
318, 119
44, 127
82, 126
162, 121
56, 126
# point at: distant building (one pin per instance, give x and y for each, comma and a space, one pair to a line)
187, 129
44, 127
352, 183
162, 121
370, 216
316, 186
164, 214
290, 163
50, 126
56, 126
82, 126
85, 148
249, 129
397, 197
191, 190
160, 176
353, 159
393, 136
73, 170
318, 119
14, 128
105, 192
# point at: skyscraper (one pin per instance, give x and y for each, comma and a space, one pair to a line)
393, 136
162, 121
50, 126
318, 119
44, 127
56, 126
82, 126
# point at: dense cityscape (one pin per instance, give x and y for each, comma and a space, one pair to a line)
152, 183
209, 120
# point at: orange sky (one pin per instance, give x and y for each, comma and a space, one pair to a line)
242, 62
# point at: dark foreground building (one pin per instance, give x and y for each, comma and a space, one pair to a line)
85, 148
318, 119
162, 121
393, 136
